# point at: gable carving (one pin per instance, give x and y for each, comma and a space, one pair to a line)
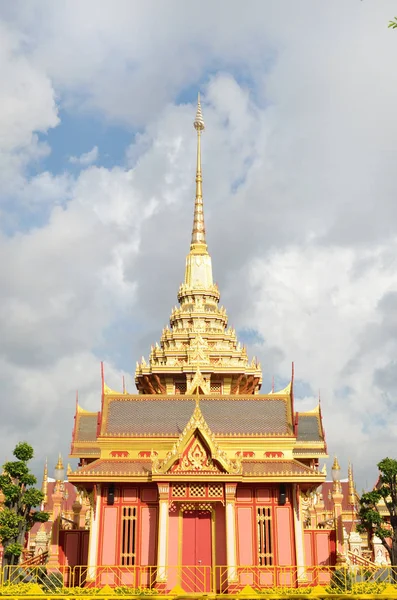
196, 450
198, 384
195, 459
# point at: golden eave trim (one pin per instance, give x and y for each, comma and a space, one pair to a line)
310, 413
83, 411
143, 397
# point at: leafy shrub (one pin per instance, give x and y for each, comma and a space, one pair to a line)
52, 581
55, 580
285, 591
18, 589
341, 581
368, 587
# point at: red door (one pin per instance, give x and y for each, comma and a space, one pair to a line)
196, 551
73, 554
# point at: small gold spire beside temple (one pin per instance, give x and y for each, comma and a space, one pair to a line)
59, 466
337, 487
336, 465
44, 485
352, 489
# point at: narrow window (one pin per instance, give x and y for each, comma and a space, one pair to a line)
265, 545
128, 537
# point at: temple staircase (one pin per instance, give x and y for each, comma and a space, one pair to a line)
360, 561
39, 559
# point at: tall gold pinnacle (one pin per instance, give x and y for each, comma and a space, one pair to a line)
352, 490
44, 485
198, 233
59, 464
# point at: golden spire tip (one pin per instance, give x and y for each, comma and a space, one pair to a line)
199, 121
59, 464
198, 233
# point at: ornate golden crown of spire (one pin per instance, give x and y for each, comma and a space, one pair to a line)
199, 121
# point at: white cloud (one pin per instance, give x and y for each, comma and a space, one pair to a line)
299, 184
27, 106
88, 158
323, 309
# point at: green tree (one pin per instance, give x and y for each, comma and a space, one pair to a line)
371, 519
20, 498
393, 24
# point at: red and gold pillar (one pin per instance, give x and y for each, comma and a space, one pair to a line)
57, 498
337, 498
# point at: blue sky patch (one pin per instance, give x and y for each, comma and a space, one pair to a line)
77, 134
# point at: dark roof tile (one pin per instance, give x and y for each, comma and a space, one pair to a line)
309, 428
86, 427
224, 416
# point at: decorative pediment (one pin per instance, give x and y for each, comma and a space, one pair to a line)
198, 384
196, 451
196, 458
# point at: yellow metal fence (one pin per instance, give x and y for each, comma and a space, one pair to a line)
198, 580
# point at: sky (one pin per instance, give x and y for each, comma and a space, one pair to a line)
97, 159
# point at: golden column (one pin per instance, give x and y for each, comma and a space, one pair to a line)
57, 498
337, 498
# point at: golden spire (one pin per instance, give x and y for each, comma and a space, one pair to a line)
59, 469
44, 485
336, 464
198, 233
352, 489
198, 272
337, 486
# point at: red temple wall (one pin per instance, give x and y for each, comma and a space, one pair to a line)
110, 539
220, 534
73, 547
319, 546
173, 548
249, 498
145, 500
245, 529
148, 535
284, 538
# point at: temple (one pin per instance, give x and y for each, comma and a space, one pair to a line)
198, 479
